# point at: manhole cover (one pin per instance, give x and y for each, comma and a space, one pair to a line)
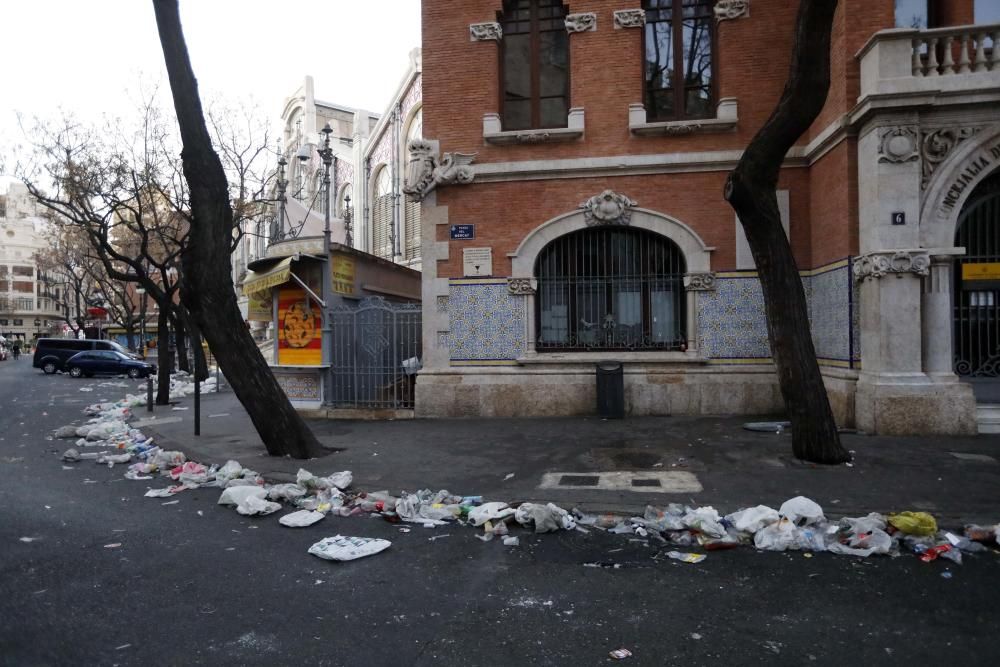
645, 482
579, 480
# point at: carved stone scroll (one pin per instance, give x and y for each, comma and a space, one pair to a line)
585, 22
891, 262
485, 32
630, 18
731, 9
699, 282
608, 208
426, 172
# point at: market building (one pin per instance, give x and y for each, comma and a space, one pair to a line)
572, 211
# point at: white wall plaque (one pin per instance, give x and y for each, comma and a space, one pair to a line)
477, 261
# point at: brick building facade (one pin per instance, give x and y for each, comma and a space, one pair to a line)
576, 214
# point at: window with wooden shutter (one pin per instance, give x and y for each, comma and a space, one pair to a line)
381, 208
411, 209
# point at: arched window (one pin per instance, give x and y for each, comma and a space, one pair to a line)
535, 64
317, 192
411, 209
678, 42
610, 288
382, 214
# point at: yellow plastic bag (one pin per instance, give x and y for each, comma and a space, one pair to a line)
914, 523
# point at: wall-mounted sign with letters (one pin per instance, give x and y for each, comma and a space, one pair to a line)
477, 261
463, 232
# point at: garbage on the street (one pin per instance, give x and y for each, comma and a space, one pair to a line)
341, 547
676, 530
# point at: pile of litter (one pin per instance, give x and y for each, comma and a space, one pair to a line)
798, 525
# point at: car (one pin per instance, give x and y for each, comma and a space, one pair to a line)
109, 362
51, 354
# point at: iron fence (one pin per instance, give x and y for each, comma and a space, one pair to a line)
376, 354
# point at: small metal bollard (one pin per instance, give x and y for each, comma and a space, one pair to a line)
149, 393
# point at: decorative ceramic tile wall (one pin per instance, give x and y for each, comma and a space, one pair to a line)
830, 312
731, 322
487, 322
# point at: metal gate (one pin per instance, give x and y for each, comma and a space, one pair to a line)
977, 281
376, 354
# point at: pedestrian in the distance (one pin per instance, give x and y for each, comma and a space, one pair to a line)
17, 351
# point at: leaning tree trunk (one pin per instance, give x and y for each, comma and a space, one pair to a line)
164, 364
130, 333
750, 190
207, 290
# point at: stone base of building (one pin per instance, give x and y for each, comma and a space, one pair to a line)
920, 407
536, 392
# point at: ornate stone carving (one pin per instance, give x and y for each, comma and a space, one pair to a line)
731, 9
426, 172
608, 208
485, 32
898, 144
442, 339
585, 22
630, 18
886, 262
520, 286
935, 147
700, 282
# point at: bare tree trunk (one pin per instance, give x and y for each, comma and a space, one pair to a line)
180, 334
130, 334
751, 192
164, 364
207, 289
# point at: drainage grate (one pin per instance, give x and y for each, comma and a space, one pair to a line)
645, 482
579, 480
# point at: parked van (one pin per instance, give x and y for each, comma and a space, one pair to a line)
51, 354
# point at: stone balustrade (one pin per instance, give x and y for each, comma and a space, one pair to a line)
941, 60
946, 51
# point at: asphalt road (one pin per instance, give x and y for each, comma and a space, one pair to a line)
196, 583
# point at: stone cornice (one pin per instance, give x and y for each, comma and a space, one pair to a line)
892, 262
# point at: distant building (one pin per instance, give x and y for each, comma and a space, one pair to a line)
27, 296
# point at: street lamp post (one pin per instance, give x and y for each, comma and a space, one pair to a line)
326, 155
278, 227
141, 291
348, 222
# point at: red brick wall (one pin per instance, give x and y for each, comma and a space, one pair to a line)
460, 80
834, 204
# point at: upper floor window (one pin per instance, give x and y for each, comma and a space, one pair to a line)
678, 62
382, 201
535, 64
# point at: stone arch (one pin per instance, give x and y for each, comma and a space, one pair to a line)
955, 179
697, 255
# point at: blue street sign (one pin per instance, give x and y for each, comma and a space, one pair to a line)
460, 232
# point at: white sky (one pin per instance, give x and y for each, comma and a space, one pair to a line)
94, 56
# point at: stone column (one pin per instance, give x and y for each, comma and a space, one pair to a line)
694, 283
936, 320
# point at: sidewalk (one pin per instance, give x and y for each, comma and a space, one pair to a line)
956, 479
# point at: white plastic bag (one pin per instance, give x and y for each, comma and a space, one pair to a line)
801, 511
546, 518
752, 519
235, 495
254, 505
285, 492
488, 512
300, 519
342, 547
705, 520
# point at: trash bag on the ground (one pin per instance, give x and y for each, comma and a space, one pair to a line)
343, 547
545, 518
862, 536
752, 519
234, 495
784, 535
705, 520
914, 523
300, 519
288, 493
71, 456
659, 520
339, 480
254, 505
231, 470
66, 432
983, 534
801, 511
168, 460
489, 511
417, 508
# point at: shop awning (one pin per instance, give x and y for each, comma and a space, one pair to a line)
259, 282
